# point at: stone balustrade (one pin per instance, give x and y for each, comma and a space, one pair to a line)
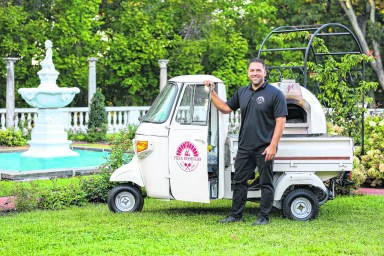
76, 119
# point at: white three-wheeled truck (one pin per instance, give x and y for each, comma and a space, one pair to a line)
183, 151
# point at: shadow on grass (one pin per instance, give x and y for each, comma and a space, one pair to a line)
193, 210
209, 209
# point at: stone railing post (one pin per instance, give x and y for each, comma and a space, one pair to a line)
91, 78
163, 73
10, 92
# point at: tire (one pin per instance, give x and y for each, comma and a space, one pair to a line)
125, 198
301, 204
322, 196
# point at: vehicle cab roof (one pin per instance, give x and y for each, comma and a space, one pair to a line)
195, 79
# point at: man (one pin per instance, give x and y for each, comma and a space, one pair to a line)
263, 113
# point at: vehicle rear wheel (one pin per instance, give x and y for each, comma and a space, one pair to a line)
301, 204
125, 198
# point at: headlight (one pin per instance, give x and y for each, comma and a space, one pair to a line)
141, 145
143, 148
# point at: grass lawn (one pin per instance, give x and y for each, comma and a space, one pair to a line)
350, 225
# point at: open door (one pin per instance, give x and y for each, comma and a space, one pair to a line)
188, 136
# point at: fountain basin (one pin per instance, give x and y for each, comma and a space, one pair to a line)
14, 166
45, 150
48, 97
16, 162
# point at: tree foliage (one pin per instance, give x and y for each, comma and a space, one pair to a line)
364, 17
97, 124
70, 24
129, 37
97, 111
340, 95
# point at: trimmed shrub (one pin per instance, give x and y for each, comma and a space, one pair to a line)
97, 124
25, 197
30, 196
62, 197
77, 135
11, 137
121, 144
96, 187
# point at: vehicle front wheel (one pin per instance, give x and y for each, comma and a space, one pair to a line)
301, 204
125, 198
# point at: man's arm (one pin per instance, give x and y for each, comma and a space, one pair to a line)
270, 151
219, 103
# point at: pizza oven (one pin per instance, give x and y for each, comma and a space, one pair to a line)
305, 113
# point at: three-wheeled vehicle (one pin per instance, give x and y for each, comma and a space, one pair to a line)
183, 151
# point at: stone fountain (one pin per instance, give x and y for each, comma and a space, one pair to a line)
48, 138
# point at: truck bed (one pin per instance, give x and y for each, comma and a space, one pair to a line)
300, 153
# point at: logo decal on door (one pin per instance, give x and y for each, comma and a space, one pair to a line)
187, 156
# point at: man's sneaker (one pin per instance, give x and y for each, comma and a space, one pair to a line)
230, 219
260, 221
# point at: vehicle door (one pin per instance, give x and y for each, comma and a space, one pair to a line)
188, 145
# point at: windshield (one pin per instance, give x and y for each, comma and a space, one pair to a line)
161, 107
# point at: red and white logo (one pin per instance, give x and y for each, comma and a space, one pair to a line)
187, 156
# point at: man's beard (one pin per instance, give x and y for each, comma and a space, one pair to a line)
257, 81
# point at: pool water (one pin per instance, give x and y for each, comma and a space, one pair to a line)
13, 161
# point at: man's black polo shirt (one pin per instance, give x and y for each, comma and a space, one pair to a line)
259, 109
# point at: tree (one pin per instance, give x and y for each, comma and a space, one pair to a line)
197, 36
368, 30
309, 12
97, 124
71, 25
97, 111
18, 36
338, 94
138, 34
233, 36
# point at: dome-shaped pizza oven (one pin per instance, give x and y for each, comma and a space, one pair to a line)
305, 113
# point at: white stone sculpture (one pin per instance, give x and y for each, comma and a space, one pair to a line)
47, 63
48, 138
